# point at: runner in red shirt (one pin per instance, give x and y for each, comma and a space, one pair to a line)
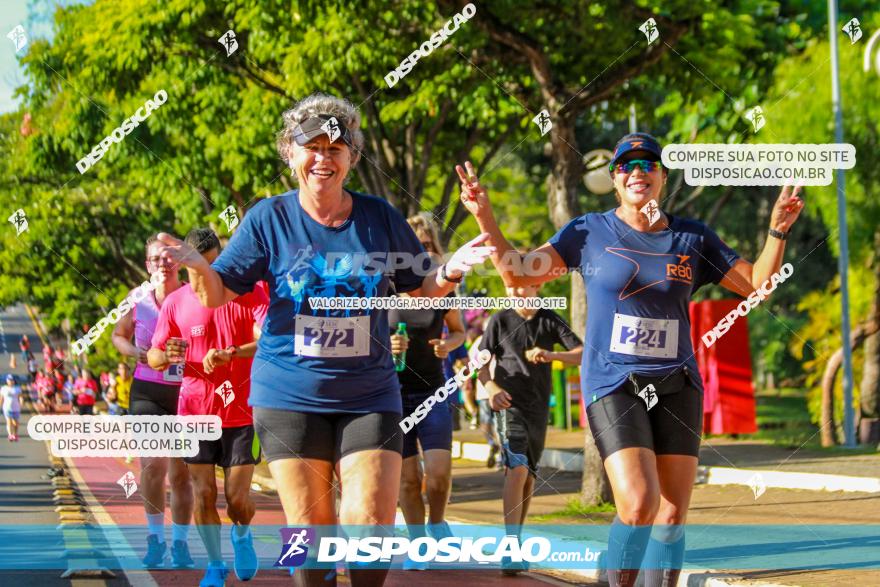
219, 346
85, 389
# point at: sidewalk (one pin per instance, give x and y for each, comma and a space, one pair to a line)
723, 461
476, 493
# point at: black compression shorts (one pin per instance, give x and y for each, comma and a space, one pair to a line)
235, 447
672, 426
153, 399
286, 434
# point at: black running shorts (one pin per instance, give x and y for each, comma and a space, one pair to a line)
286, 434
672, 426
153, 399
235, 447
522, 438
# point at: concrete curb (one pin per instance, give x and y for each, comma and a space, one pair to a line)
787, 480
567, 460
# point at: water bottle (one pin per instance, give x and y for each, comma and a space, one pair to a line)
400, 358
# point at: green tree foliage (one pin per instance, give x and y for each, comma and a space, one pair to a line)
817, 340
801, 112
212, 143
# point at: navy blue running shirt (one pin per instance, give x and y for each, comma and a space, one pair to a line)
638, 286
323, 361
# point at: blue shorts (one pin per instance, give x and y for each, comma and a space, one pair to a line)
522, 438
435, 431
486, 416
12, 415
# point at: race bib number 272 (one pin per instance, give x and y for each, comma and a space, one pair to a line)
644, 337
316, 336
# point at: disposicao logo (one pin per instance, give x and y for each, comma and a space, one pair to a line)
294, 547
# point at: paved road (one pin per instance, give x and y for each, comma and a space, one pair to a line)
28, 534
114, 509
26, 504
27, 512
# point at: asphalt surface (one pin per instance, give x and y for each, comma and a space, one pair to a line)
26, 505
28, 521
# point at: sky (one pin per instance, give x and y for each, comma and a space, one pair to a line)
35, 16
14, 12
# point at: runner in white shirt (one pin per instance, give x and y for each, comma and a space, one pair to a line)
9, 395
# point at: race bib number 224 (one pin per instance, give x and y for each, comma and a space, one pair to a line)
644, 337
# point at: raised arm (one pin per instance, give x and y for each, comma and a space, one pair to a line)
744, 277
539, 266
205, 282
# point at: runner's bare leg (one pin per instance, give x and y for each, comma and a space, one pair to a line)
370, 482
207, 519
438, 471
305, 488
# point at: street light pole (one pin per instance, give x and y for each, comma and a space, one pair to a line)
843, 260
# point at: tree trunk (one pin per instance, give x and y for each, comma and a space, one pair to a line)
562, 189
595, 488
566, 173
869, 411
826, 423
826, 419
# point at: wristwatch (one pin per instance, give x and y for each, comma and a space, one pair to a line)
232, 350
445, 276
777, 234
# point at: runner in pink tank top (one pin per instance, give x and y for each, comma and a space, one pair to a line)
145, 315
155, 393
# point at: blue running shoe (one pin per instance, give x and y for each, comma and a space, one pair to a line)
246, 562
155, 556
215, 575
510, 568
440, 531
180, 558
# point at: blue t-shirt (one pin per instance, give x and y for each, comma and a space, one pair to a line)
324, 361
638, 286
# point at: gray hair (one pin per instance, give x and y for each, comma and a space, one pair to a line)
313, 105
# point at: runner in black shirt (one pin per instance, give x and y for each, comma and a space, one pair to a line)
522, 342
422, 376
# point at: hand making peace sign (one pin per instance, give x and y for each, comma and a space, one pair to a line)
787, 208
473, 195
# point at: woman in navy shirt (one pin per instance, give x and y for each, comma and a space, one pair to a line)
640, 266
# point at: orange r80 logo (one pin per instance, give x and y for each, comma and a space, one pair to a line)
681, 271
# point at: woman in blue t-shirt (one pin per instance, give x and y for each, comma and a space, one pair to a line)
641, 266
324, 391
